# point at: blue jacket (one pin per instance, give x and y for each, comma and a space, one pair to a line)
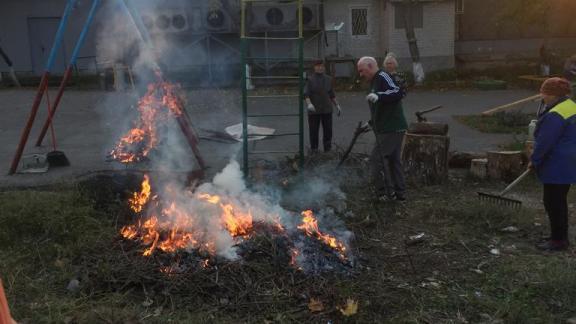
554, 156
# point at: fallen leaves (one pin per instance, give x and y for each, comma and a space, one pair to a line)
315, 305
350, 308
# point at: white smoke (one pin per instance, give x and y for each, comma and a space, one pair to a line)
230, 179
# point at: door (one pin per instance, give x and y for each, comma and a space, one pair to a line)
41, 33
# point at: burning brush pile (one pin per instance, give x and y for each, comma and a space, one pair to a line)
218, 222
186, 229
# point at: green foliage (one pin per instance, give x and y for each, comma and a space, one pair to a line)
504, 122
519, 14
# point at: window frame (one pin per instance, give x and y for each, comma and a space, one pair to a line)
366, 7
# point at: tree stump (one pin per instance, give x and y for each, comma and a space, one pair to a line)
426, 158
505, 165
463, 160
478, 168
428, 128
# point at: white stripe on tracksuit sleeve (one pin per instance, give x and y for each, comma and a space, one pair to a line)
394, 87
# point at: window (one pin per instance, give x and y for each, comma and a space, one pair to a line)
359, 19
417, 15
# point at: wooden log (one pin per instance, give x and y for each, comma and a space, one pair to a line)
428, 128
505, 165
479, 168
426, 158
463, 160
511, 105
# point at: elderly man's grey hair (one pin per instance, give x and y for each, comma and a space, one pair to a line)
368, 60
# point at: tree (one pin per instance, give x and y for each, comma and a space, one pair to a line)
417, 69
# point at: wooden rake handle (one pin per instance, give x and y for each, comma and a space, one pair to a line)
515, 182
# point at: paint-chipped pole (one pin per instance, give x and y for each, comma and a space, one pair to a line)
43, 85
8, 62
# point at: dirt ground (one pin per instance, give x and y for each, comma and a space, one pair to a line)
89, 122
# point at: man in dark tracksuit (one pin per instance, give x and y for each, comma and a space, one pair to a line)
389, 125
320, 100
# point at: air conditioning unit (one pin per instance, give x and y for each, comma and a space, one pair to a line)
284, 17
217, 20
166, 21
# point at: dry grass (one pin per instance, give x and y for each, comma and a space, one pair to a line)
51, 237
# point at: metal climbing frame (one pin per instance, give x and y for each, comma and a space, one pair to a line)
245, 39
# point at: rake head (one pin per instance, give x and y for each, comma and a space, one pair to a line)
499, 200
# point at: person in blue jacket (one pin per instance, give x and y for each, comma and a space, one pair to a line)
554, 157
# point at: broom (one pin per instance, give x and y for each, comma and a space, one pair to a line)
499, 199
55, 158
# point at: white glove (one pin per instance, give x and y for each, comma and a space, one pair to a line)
311, 108
372, 98
338, 110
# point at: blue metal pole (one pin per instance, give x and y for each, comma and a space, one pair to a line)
142, 31
42, 87
84, 32
59, 35
68, 71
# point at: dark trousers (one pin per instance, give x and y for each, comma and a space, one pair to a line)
314, 121
386, 160
556, 204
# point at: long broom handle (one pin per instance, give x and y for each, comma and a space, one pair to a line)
515, 182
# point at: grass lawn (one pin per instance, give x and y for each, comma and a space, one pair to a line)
502, 123
48, 238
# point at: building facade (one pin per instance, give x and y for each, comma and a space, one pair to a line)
196, 34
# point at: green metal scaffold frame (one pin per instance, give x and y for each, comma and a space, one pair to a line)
245, 38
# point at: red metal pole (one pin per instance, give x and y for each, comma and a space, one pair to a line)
192, 140
26, 133
48, 121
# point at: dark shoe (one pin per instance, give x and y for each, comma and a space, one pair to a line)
553, 245
399, 196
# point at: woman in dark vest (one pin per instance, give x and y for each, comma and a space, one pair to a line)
320, 101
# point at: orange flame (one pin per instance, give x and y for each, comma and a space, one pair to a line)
237, 223
310, 227
161, 100
139, 199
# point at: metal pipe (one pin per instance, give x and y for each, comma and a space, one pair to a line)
301, 81
42, 87
243, 84
68, 71
11, 67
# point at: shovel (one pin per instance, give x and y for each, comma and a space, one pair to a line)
499, 199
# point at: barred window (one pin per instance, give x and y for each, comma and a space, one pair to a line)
359, 17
